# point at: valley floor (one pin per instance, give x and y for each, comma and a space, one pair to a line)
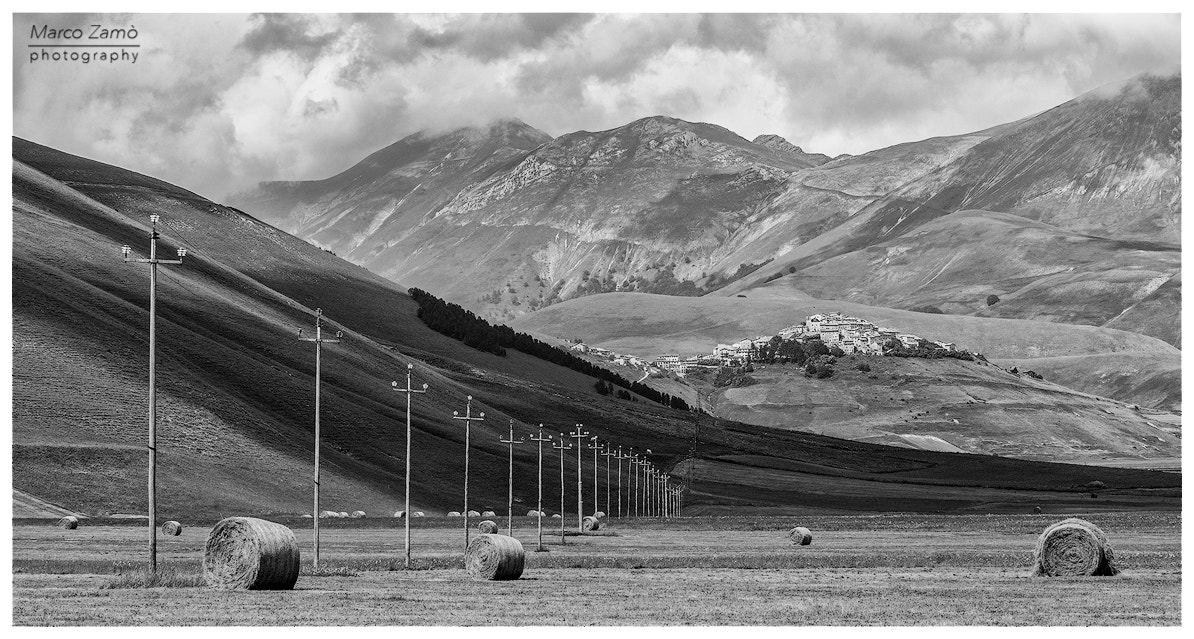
860, 570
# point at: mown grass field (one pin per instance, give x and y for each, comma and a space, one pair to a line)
891, 569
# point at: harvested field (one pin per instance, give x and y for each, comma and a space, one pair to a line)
857, 573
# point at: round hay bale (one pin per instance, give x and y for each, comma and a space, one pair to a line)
599, 514
245, 553
453, 514
800, 536
69, 522
532, 513
328, 514
1072, 548
172, 528
488, 527
556, 516
358, 514
489, 513
342, 515
418, 513
473, 513
494, 558
590, 523
402, 513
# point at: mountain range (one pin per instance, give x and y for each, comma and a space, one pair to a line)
1070, 215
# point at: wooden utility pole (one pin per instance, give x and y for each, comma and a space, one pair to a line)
408, 390
539, 512
153, 262
620, 457
579, 436
607, 451
632, 484
510, 494
563, 446
468, 422
595, 447
319, 340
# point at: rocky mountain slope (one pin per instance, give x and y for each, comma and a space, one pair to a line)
235, 385
1072, 215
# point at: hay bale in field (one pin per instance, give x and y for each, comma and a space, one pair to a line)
246, 553
488, 527
590, 523
556, 516
172, 528
532, 513
399, 514
329, 514
342, 515
494, 558
69, 522
489, 513
800, 536
599, 514
453, 514
358, 514
418, 513
1074, 547
473, 513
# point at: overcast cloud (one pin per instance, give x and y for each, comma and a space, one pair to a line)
216, 103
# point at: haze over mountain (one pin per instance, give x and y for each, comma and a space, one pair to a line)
1084, 199
235, 385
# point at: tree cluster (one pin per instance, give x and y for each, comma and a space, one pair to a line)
462, 325
925, 349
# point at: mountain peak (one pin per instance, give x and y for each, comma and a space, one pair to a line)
502, 128
777, 143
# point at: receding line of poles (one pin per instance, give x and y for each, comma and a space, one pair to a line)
153, 262
510, 495
579, 435
562, 446
539, 509
319, 340
468, 421
408, 390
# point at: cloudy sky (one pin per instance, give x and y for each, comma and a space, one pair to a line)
216, 103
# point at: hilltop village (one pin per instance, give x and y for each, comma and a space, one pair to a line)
839, 333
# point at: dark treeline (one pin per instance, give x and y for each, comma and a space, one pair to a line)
459, 324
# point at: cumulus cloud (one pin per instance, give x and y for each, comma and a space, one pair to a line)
217, 103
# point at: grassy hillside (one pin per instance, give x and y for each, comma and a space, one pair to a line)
996, 411
650, 325
947, 405
235, 386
